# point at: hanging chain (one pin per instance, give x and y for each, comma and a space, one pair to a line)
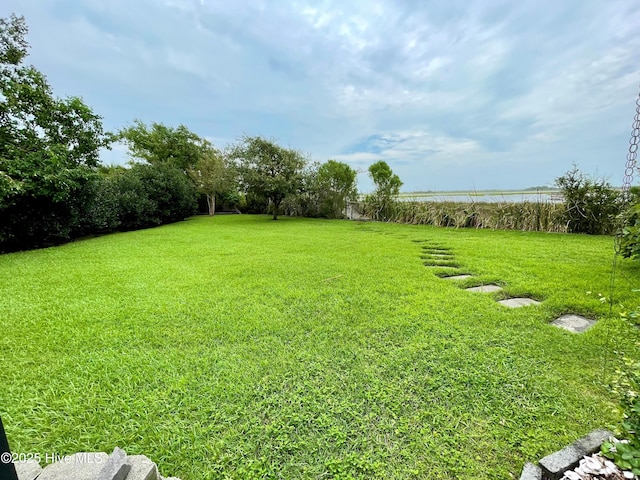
632, 155
630, 167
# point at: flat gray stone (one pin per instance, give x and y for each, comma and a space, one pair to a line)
574, 323
142, 468
79, 466
531, 472
484, 289
518, 302
28, 469
116, 467
591, 443
554, 465
457, 277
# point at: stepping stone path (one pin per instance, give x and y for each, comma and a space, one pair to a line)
573, 323
442, 257
518, 302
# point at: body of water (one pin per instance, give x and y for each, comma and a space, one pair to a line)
473, 197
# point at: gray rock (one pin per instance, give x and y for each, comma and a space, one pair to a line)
457, 277
142, 468
554, 465
484, 289
28, 469
518, 302
116, 467
591, 443
531, 472
79, 466
573, 323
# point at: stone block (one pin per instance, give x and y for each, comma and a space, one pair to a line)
79, 466
116, 466
142, 468
28, 469
574, 323
457, 277
518, 302
591, 443
531, 472
554, 465
484, 289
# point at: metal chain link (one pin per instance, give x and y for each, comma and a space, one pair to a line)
630, 167
632, 155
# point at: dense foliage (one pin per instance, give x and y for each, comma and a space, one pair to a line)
160, 144
212, 176
268, 170
325, 191
626, 386
48, 150
52, 188
526, 216
387, 186
592, 205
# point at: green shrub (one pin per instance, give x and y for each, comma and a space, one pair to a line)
592, 205
626, 387
150, 195
630, 234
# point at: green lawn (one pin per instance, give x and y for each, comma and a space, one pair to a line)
240, 347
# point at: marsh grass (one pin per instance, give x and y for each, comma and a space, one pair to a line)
524, 216
239, 347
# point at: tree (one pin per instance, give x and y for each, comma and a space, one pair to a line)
336, 184
159, 144
268, 169
387, 183
49, 149
387, 186
211, 175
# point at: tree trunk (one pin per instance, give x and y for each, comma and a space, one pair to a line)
211, 203
275, 210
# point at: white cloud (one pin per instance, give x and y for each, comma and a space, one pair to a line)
486, 86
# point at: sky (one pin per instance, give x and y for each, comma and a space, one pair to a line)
455, 95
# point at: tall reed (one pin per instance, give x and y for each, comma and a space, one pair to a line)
526, 216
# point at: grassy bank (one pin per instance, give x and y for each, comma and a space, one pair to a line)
239, 347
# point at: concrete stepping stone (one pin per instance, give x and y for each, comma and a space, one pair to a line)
574, 323
458, 277
484, 288
116, 467
518, 302
142, 468
79, 466
28, 469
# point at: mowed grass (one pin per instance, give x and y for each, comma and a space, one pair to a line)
239, 347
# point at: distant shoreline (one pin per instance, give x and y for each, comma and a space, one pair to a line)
478, 193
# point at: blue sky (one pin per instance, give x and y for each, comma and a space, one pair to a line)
453, 95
